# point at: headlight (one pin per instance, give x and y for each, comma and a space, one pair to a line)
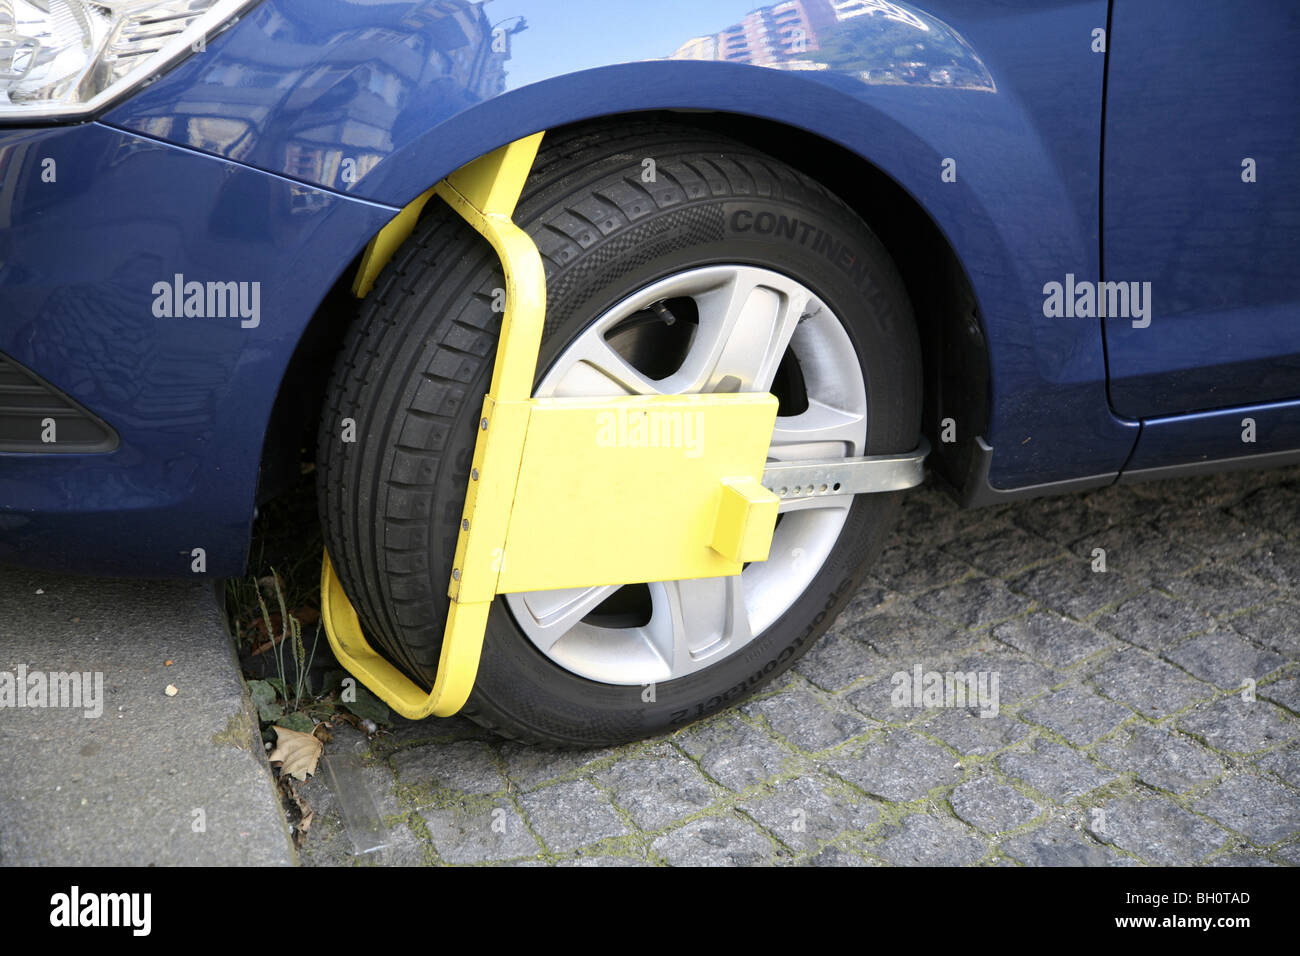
60, 59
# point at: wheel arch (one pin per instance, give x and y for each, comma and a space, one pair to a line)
953, 339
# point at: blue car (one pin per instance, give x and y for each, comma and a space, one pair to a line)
1057, 241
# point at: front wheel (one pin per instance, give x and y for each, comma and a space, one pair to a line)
727, 272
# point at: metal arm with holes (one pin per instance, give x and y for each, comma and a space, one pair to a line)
555, 498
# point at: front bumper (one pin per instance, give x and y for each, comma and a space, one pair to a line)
91, 220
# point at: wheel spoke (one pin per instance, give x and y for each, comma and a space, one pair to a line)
745, 326
594, 368
820, 432
695, 619
552, 614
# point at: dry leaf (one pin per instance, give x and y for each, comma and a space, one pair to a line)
306, 615
269, 632
305, 812
296, 752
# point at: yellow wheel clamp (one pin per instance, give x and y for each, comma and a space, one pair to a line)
558, 497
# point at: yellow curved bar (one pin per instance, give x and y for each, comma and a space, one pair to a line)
485, 193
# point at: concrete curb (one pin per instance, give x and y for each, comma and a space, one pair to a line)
153, 779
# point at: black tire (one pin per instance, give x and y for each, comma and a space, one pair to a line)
414, 368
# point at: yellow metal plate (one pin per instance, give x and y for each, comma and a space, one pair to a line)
628, 489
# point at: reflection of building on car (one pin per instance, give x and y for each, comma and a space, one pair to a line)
833, 34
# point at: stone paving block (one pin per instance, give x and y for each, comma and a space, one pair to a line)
975, 602
1056, 844
1157, 831
897, 765
1285, 692
1016, 679
1000, 548
1277, 563
834, 856
991, 806
869, 599
911, 570
905, 631
734, 753
930, 519
1222, 490
1224, 659
1289, 854
809, 810
876, 698
1275, 625
1071, 587
1077, 714
1241, 858
1058, 772
1263, 811
806, 721
569, 815
1284, 763
1211, 531
1274, 506
529, 767
1064, 518
1119, 503
659, 788
970, 734
715, 841
836, 661
1152, 687
465, 766
1019, 679
1160, 758
1238, 726
603, 861
481, 835
1218, 589
930, 841
1154, 621
1051, 639
1137, 548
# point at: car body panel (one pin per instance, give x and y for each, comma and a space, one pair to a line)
189, 397
1215, 235
1227, 433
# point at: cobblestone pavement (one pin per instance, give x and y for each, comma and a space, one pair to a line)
1123, 734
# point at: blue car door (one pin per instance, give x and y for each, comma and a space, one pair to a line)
1200, 199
